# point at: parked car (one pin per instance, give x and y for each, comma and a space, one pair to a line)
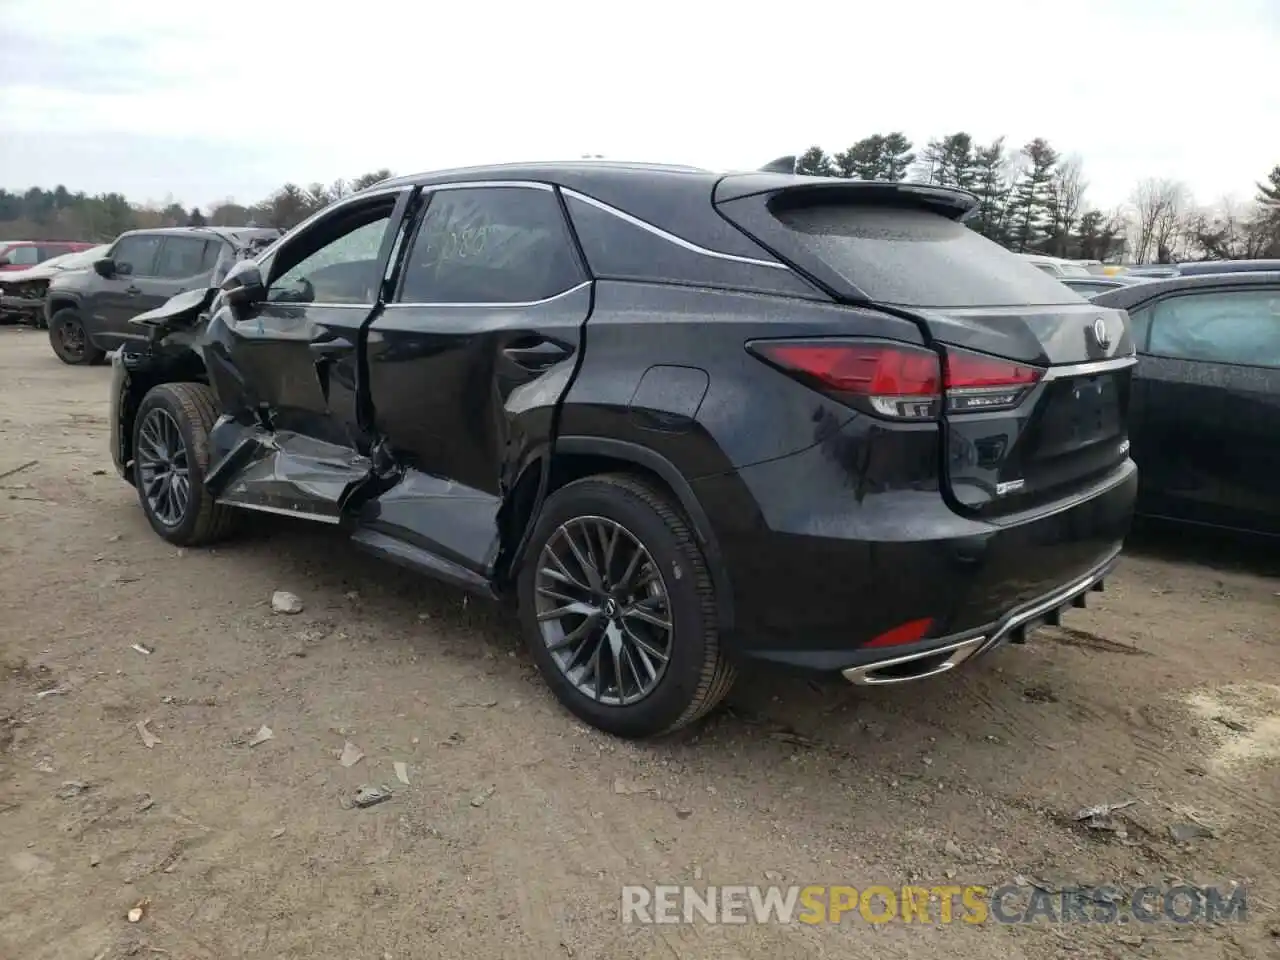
1202, 267
1056, 266
1206, 397
1152, 271
1089, 286
20, 254
88, 311
22, 292
686, 419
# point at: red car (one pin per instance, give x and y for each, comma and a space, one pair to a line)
21, 254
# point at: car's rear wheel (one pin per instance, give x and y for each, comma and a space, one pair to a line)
69, 340
170, 461
619, 611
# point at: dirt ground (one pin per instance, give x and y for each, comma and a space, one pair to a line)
519, 826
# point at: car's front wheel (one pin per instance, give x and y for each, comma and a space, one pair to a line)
70, 342
170, 461
619, 611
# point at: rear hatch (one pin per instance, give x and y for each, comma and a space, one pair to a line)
1035, 379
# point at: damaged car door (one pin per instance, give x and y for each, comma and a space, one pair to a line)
467, 365
287, 365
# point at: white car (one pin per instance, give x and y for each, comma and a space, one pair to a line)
22, 291
1056, 266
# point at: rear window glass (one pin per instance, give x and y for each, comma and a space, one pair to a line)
920, 259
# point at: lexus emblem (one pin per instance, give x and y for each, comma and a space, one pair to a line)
1100, 333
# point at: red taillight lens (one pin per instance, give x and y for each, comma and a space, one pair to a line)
896, 380
975, 381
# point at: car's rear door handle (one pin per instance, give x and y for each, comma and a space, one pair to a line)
536, 354
132, 291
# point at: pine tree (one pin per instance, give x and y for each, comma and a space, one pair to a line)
877, 157
897, 158
1089, 236
991, 186
1269, 192
196, 218
1030, 218
862, 160
952, 161
814, 162
1267, 224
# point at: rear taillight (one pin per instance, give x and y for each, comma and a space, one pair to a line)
893, 379
901, 380
975, 381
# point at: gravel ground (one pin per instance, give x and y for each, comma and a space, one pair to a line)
518, 825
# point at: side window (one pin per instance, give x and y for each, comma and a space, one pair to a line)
24, 256
1140, 328
182, 257
490, 245
135, 255
338, 259
1224, 326
213, 251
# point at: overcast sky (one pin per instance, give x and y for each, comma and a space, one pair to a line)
208, 101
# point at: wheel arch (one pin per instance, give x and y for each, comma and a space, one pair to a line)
63, 300
573, 458
138, 375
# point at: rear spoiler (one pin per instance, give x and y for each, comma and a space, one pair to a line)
792, 190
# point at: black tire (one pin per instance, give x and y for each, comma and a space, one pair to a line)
697, 674
70, 340
192, 409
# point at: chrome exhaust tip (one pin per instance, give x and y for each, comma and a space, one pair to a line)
915, 666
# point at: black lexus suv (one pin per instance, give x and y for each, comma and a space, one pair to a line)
687, 419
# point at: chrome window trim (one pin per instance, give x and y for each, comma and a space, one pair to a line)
492, 305
669, 237
337, 204
470, 184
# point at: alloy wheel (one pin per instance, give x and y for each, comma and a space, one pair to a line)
603, 610
163, 470
71, 335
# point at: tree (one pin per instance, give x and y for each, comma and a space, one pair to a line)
1030, 214
1267, 220
898, 158
286, 208
366, 180
1157, 204
814, 162
228, 214
196, 218
1066, 196
991, 185
877, 157
949, 162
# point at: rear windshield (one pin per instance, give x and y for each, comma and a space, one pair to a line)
919, 259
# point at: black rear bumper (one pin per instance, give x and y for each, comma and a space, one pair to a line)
877, 667
821, 566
